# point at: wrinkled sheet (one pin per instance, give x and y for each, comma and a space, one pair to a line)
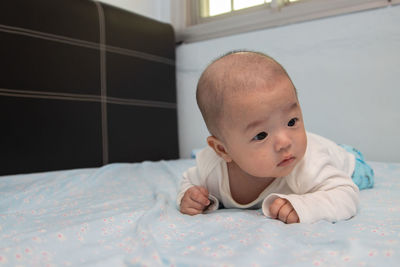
125, 215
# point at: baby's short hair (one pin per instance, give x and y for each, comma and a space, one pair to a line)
236, 71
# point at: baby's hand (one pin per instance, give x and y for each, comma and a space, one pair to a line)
281, 209
195, 200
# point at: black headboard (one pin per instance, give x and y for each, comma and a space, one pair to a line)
83, 84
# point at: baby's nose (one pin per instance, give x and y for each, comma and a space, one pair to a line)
282, 141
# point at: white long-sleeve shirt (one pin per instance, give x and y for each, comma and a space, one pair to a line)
319, 187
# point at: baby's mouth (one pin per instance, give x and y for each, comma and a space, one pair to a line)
286, 161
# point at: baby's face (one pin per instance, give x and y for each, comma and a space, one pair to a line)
264, 133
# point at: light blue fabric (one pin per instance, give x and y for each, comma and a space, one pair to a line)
125, 215
194, 152
363, 175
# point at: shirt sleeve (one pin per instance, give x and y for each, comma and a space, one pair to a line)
197, 176
331, 196
189, 179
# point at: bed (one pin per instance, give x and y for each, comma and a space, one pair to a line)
90, 166
124, 214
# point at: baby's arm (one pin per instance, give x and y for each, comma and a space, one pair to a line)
333, 199
195, 200
193, 197
283, 210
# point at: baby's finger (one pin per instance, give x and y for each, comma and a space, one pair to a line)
203, 190
190, 210
198, 196
189, 206
189, 202
292, 217
284, 211
276, 206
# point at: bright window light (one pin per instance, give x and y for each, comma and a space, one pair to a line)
240, 4
217, 7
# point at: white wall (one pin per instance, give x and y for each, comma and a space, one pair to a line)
345, 68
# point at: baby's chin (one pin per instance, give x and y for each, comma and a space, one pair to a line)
276, 174
285, 171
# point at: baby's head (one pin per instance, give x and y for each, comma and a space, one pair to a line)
251, 109
233, 74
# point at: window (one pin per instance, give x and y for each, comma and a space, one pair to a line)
210, 8
196, 20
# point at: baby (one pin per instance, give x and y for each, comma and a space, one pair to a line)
259, 154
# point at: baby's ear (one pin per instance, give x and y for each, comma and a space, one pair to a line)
219, 148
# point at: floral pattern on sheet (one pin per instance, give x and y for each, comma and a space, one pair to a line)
125, 215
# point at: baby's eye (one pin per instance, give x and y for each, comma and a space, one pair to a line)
260, 136
292, 122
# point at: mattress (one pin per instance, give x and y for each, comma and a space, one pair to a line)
124, 214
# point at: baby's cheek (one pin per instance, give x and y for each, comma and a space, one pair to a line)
262, 167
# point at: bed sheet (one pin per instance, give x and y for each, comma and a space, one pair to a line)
125, 215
